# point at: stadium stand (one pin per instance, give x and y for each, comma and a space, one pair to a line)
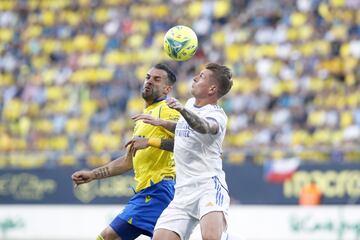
71, 72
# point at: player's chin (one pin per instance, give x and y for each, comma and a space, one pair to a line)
146, 94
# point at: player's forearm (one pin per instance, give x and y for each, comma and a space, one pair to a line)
161, 143
115, 167
197, 123
168, 125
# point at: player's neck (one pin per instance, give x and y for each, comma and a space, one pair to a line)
150, 102
205, 101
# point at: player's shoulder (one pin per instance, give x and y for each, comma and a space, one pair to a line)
216, 112
214, 108
168, 113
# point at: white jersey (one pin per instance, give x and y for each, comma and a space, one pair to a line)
198, 156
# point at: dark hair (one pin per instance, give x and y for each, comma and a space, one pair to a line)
223, 77
170, 73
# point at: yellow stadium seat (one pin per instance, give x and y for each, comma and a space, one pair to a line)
299, 137
101, 15
113, 142
194, 9
48, 17
76, 126
306, 32
55, 93
117, 126
100, 43
322, 136
6, 35
352, 156
135, 105
59, 143
88, 107
243, 137
236, 157
72, 18
346, 118
97, 142
222, 8
6, 79
90, 60
67, 160
116, 2
43, 125
83, 42
5, 142
218, 38
135, 41
7, 5
298, 19
337, 3
316, 118
96, 161
13, 109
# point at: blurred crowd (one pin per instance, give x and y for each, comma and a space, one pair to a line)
71, 74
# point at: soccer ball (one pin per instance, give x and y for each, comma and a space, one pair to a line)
180, 43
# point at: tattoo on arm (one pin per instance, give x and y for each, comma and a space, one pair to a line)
199, 124
102, 172
167, 144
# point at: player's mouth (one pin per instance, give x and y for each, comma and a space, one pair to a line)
147, 89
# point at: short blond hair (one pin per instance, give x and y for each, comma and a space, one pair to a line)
223, 77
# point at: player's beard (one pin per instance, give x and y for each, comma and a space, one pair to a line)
150, 94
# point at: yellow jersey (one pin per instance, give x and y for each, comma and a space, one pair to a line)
152, 164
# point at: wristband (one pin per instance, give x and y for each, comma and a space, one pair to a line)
154, 142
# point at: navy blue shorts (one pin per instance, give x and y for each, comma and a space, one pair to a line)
142, 211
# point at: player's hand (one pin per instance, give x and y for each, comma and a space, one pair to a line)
83, 176
130, 153
137, 143
147, 118
174, 104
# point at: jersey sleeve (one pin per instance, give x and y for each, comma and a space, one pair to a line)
219, 117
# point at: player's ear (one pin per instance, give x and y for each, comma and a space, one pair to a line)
167, 89
212, 89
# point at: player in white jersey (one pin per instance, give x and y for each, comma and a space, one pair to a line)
201, 193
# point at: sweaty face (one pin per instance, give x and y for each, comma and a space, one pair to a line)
155, 85
202, 83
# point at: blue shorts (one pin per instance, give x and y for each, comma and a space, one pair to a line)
142, 211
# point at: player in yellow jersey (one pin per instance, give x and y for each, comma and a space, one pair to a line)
152, 162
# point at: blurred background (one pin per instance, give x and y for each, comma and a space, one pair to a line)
70, 79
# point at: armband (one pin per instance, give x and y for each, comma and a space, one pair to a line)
154, 142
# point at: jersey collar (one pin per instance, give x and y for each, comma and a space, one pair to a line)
159, 99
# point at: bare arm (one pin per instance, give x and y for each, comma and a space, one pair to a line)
161, 143
113, 168
196, 122
167, 124
200, 124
